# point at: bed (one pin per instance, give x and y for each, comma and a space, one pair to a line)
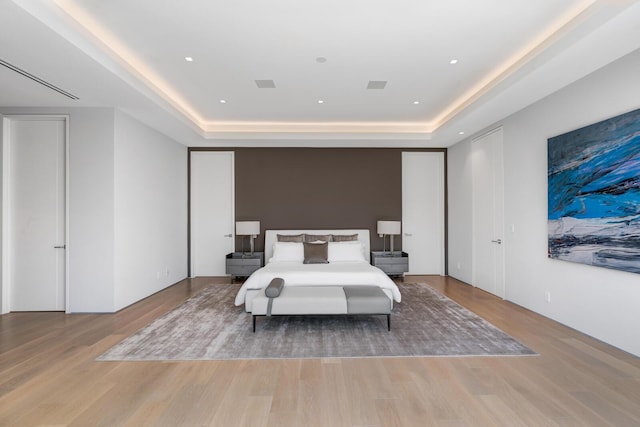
345, 267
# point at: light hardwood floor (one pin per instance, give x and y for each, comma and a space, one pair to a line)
48, 377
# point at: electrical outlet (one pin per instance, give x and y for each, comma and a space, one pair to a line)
547, 296
167, 271
158, 275
459, 266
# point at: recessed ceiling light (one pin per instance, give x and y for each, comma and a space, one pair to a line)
320, 101
461, 133
188, 59
321, 59
223, 101
453, 61
416, 102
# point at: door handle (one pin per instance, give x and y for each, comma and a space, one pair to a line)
408, 234
60, 247
228, 235
498, 241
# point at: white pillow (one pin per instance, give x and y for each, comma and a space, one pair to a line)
346, 251
288, 251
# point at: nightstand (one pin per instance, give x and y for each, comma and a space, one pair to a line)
242, 265
394, 264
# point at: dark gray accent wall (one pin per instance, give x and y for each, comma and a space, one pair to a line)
318, 188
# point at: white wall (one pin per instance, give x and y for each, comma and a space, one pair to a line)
90, 198
91, 192
3, 291
150, 211
460, 212
127, 208
600, 302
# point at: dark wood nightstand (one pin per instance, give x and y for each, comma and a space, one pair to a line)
242, 265
392, 263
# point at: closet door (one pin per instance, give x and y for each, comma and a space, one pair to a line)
212, 211
423, 211
488, 212
34, 217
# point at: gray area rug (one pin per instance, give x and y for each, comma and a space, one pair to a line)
209, 327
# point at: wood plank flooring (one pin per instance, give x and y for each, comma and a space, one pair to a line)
49, 377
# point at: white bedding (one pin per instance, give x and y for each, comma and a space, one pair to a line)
335, 273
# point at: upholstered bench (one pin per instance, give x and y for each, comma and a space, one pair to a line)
280, 300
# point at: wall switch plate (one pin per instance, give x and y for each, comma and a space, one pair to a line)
547, 296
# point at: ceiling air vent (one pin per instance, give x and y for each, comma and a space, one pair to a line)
376, 84
37, 79
265, 84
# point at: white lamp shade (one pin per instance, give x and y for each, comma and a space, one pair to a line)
389, 227
247, 228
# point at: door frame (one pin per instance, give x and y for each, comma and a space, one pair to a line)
501, 285
192, 151
443, 213
7, 119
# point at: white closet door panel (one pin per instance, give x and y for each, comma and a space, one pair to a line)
423, 211
212, 211
36, 214
488, 213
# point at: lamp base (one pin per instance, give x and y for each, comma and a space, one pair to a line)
249, 255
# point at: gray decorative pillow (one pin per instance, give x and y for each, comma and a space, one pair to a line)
274, 288
310, 238
298, 238
344, 237
316, 253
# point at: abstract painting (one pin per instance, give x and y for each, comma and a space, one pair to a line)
594, 194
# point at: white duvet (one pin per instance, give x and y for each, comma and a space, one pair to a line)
334, 273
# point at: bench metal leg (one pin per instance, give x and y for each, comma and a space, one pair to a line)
254, 323
388, 322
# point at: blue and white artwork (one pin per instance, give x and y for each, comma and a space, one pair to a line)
594, 194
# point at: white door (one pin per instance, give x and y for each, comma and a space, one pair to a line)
423, 211
488, 212
34, 213
212, 211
